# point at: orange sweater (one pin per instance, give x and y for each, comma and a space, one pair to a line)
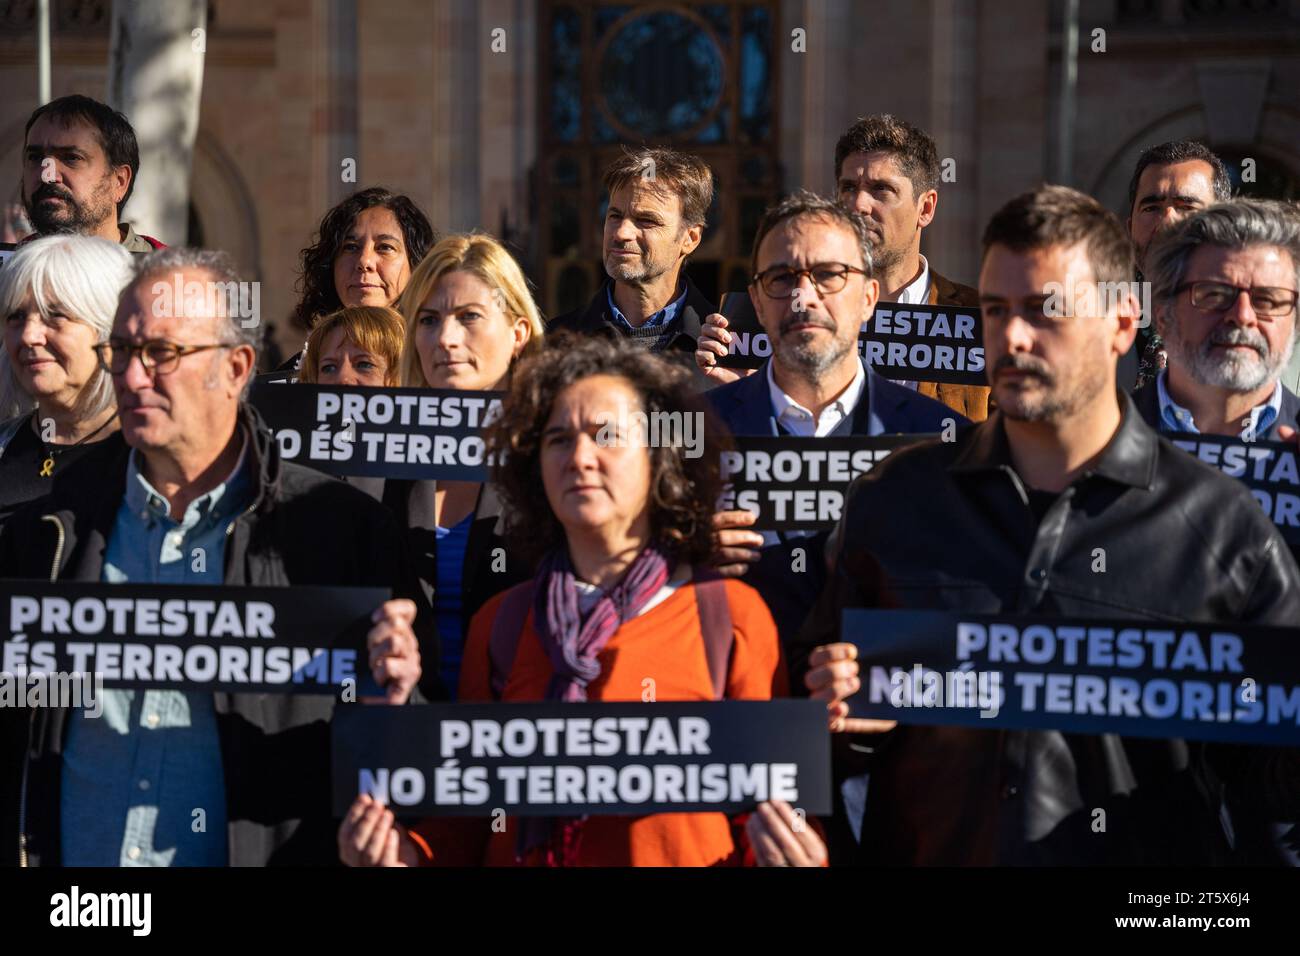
666, 645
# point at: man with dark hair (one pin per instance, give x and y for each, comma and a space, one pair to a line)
888, 170
80, 160
1170, 182
1223, 286
1063, 467
815, 384
658, 199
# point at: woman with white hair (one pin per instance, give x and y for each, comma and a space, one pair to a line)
58, 296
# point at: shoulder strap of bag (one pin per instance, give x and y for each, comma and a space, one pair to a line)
716, 628
507, 629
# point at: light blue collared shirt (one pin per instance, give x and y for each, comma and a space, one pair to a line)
660, 318
1175, 418
143, 784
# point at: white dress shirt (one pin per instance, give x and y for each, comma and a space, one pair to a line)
917, 292
797, 420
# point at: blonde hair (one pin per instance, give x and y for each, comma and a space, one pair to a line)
482, 256
376, 328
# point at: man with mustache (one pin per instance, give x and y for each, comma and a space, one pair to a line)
658, 199
80, 160
1224, 286
813, 286
1170, 182
1064, 467
888, 170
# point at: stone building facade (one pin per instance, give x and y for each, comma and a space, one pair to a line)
454, 103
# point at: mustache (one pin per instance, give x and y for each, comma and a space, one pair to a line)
804, 318
51, 191
1024, 363
1233, 335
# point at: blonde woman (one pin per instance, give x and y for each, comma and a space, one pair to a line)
361, 345
469, 317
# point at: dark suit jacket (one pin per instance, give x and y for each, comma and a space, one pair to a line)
1147, 400
745, 407
971, 400
596, 319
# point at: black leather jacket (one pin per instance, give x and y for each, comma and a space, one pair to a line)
949, 526
303, 528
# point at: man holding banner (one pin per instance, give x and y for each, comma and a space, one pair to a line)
1067, 506
193, 492
1224, 285
813, 285
888, 170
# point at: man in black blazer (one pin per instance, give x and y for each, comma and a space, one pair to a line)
1224, 287
658, 199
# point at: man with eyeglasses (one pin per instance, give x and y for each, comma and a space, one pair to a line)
1224, 286
193, 491
1063, 468
888, 170
813, 286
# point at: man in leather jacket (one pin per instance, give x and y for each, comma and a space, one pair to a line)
1008, 519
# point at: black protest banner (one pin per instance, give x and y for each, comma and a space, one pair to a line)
798, 484
553, 759
925, 343
749, 346
415, 433
1267, 468
1220, 682
281, 376
299, 640
919, 343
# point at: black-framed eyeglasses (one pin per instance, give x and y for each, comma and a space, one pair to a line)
779, 282
1220, 296
156, 355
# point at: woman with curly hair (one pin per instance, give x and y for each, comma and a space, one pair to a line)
620, 521
365, 251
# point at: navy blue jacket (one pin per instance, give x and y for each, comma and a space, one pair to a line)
745, 407
1147, 400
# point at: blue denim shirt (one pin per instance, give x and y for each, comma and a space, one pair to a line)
143, 784
1178, 419
660, 318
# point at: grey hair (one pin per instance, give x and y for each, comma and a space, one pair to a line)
1229, 225
805, 204
169, 262
82, 275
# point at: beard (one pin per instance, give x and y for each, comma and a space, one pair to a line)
1052, 400
796, 350
73, 216
1235, 371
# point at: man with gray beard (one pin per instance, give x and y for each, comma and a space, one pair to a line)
1224, 290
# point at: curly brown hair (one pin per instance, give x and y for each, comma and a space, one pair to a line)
684, 491
316, 274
